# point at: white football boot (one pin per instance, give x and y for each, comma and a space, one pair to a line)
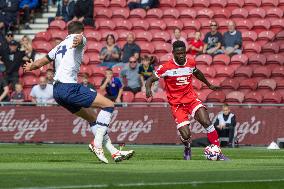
99, 152
126, 155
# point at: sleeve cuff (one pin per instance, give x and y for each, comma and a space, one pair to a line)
48, 58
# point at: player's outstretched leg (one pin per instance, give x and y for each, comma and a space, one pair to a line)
202, 117
185, 136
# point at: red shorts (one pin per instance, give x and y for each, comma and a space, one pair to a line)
181, 112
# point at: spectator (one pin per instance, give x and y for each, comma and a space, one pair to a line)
65, 11
131, 77
43, 92
27, 6
130, 49
112, 86
143, 4
225, 124
13, 59
86, 82
145, 70
83, 12
232, 40
18, 95
8, 13
177, 37
110, 54
5, 43
26, 46
213, 40
4, 90
196, 45
50, 76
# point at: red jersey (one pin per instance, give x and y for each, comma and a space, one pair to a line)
196, 44
178, 81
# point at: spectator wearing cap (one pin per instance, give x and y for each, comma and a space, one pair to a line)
8, 13
4, 90
177, 37
65, 11
213, 40
4, 45
84, 12
42, 92
18, 95
112, 86
143, 4
196, 45
27, 6
232, 40
13, 59
130, 49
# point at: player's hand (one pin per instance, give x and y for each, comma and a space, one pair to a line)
77, 41
28, 66
214, 88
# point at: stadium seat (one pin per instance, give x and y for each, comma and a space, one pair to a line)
42, 36
266, 85
139, 24
221, 59
85, 70
58, 34
280, 86
277, 73
94, 58
256, 13
146, 47
274, 13
191, 26
143, 36
118, 3
96, 81
116, 71
203, 59
171, 13
239, 13
216, 96
29, 80
253, 98
159, 96
107, 32
229, 85
189, 13
239, 60
154, 13
257, 59
277, 25
233, 4
167, 3
122, 36
41, 46
271, 47
103, 13
218, 4
281, 48
224, 71
173, 24
57, 24
264, 37
269, 3
106, 24
101, 3
208, 71
93, 35
120, 13
251, 48
272, 98
261, 72
243, 72
140, 97
200, 4
35, 73
184, 4
235, 97
243, 24
98, 70
250, 4
162, 47
123, 24
137, 13
196, 84
213, 81
86, 59
161, 36
273, 60
204, 13
221, 13
165, 58
27, 92
202, 94
156, 24
127, 96
94, 46
261, 25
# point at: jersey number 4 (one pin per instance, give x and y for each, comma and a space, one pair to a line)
182, 81
61, 50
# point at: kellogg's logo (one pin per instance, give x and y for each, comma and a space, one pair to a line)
127, 129
24, 128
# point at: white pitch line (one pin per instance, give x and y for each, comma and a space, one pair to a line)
194, 183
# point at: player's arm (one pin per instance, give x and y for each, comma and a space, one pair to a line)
200, 76
29, 66
149, 83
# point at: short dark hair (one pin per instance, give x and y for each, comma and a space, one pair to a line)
50, 70
110, 35
75, 27
178, 44
225, 105
146, 58
109, 69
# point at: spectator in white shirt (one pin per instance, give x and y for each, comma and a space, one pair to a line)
43, 92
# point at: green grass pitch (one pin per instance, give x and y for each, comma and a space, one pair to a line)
30, 166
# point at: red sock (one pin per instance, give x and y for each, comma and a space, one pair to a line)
213, 137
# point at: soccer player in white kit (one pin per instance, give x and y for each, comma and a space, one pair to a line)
76, 98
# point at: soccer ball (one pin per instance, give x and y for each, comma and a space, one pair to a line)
212, 152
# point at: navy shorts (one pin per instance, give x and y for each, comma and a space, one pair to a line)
73, 96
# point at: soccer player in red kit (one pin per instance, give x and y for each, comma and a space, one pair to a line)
177, 74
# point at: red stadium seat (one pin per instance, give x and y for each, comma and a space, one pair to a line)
235, 97
172, 24
272, 98
167, 3
213, 81
269, 48
122, 36
252, 48
243, 72
29, 80
107, 32
202, 94
86, 59
221, 13
165, 58
103, 13
101, 3
277, 25
208, 71
275, 59
162, 47
96, 81
118, 3
266, 85
278, 72
280, 86
45, 36
59, 34
140, 97
191, 25
120, 13
196, 84
250, 4
94, 58
35, 73
41, 46
139, 24
231, 4
161, 36
93, 35
137, 13
253, 97
171, 13
218, 3
239, 13
261, 72
146, 47
94, 46
239, 60
198, 4
256, 13
116, 71
188, 14
243, 24
257, 59
154, 13
143, 36
123, 24
203, 59
159, 96
231, 83
261, 25
106, 24
224, 71
205, 13
221, 59
127, 96
247, 85
216, 96
184, 4
85, 70
264, 37
57, 24
156, 24
98, 71
274, 13
269, 3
